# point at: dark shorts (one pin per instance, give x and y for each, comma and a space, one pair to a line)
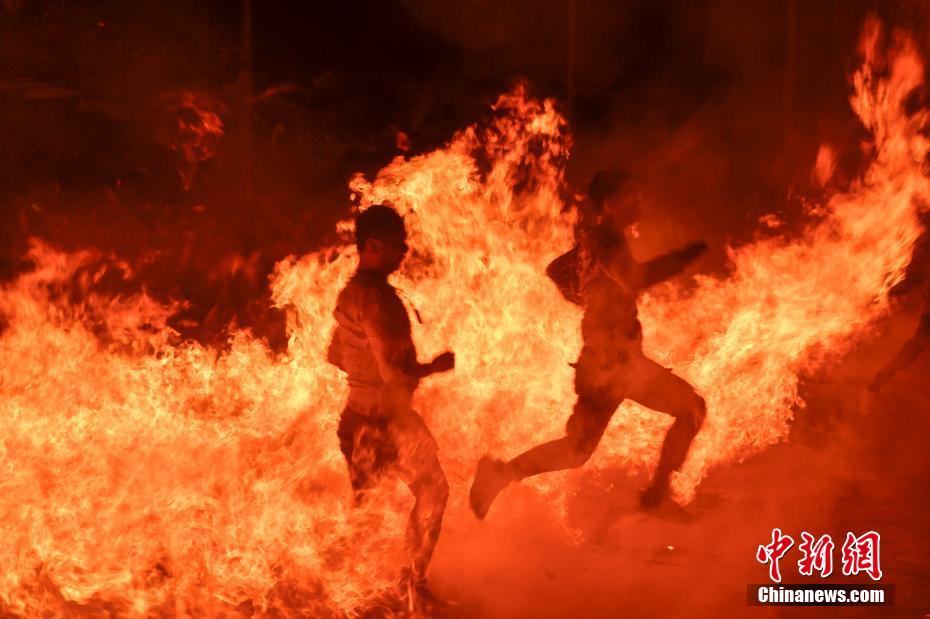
604, 378
374, 447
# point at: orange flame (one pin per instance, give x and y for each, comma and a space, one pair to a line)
145, 477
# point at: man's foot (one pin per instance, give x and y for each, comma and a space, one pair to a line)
882, 377
382, 605
418, 599
656, 501
653, 496
491, 477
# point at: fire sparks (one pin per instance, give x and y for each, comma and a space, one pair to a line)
197, 134
146, 476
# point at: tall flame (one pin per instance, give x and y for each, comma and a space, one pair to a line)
145, 476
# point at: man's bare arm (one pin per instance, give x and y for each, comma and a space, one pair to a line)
667, 265
393, 349
619, 264
442, 363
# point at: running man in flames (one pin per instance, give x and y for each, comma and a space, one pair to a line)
378, 432
601, 275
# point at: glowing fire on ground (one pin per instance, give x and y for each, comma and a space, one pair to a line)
150, 477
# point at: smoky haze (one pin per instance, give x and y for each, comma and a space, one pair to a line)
718, 107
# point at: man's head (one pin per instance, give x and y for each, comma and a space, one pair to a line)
612, 194
381, 238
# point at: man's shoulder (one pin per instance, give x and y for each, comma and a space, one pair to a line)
603, 242
603, 233
370, 286
370, 294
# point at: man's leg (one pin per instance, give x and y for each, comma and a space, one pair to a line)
906, 356
593, 409
583, 432
418, 465
656, 387
348, 431
367, 449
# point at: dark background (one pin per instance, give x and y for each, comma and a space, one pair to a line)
719, 105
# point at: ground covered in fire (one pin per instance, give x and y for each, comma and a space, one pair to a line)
857, 462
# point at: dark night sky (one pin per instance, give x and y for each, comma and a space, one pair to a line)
719, 103
427, 67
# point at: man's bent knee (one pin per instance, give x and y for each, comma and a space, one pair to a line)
698, 412
585, 428
582, 447
433, 487
441, 490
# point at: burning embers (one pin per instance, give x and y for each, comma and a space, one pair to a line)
196, 134
171, 478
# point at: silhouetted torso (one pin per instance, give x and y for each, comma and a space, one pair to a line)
368, 307
610, 316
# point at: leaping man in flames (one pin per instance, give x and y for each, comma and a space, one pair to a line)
378, 431
601, 275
